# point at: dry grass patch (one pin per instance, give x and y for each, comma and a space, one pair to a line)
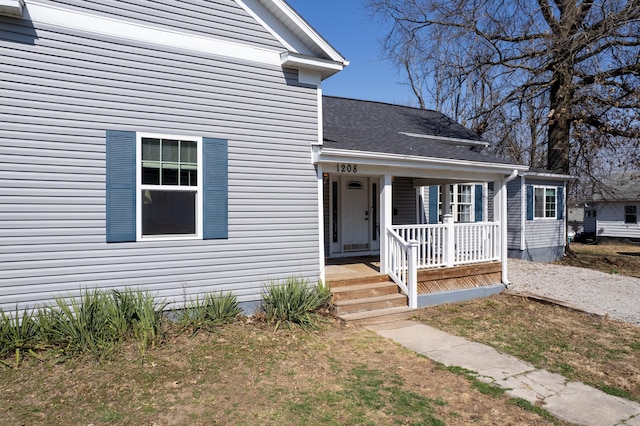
599, 352
245, 373
612, 258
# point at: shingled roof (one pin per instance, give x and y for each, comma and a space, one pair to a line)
369, 126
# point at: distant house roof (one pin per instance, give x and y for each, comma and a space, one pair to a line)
359, 125
619, 187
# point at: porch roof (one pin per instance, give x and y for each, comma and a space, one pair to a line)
366, 126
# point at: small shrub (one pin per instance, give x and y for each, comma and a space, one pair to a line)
139, 316
18, 334
294, 301
210, 311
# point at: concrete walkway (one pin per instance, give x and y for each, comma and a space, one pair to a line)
573, 402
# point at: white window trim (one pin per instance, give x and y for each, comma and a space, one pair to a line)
545, 187
454, 204
140, 188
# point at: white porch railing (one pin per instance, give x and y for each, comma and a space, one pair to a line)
401, 264
413, 247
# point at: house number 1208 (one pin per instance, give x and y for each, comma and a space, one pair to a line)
347, 168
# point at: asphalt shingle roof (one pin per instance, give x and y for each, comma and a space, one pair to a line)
619, 187
359, 125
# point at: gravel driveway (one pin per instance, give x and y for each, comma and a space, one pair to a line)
617, 295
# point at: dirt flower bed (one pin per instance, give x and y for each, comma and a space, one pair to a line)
245, 373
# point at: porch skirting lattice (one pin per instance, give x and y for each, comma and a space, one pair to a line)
459, 277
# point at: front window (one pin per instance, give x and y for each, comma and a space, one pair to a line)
630, 214
170, 188
460, 199
545, 203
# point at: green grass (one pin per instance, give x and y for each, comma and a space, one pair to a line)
526, 405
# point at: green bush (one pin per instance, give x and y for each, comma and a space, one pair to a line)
210, 311
18, 334
98, 321
294, 301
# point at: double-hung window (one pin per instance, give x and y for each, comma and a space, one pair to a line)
630, 214
545, 202
170, 191
163, 186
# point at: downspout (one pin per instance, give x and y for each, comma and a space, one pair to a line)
503, 224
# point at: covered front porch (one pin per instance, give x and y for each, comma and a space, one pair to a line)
372, 167
431, 263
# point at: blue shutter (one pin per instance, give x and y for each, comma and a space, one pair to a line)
121, 186
529, 202
560, 204
433, 204
215, 188
478, 204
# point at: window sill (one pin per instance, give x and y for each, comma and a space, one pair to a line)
11, 8
169, 238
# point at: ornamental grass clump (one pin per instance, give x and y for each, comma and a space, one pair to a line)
294, 301
97, 321
210, 311
19, 334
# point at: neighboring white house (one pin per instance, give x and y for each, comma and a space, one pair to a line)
186, 148
614, 210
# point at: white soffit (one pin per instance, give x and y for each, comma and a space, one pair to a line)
11, 8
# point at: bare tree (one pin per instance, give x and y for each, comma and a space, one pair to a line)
558, 75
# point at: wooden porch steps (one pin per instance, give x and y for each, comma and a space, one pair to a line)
369, 300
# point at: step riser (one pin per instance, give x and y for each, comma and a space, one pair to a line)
370, 306
359, 294
363, 280
381, 319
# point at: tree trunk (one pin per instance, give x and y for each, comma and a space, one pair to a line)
559, 123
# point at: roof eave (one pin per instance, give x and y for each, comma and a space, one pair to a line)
332, 155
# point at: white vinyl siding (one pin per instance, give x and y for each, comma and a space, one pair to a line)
610, 220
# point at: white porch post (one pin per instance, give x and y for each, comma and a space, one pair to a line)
446, 199
386, 197
450, 247
321, 221
500, 214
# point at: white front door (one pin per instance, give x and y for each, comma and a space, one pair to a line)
355, 214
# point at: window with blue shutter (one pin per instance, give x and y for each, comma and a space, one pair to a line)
529, 202
433, 203
170, 197
121, 186
216, 183
478, 204
560, 195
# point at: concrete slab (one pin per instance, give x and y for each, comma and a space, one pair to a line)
534, 386
570, 401
584, 405
418, 337
482, 359
633, 421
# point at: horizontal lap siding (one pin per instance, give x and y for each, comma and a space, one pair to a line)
514, 213
219, 18
610, 221
404, 201
542, 233
63, 92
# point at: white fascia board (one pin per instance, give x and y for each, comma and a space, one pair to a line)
290, 28
549, 175
449, 141
398, 160
11, 8
147, 33
295, 60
